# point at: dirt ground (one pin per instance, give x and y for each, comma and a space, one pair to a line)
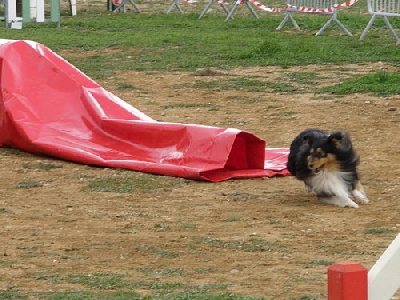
254, 237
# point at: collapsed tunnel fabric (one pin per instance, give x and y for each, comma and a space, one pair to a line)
49, 107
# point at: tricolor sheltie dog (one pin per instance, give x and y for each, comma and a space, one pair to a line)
327, 163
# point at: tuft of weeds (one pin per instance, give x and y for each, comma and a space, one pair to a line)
41, 166
127, 183
4, 210
28, 184
379, 230
321, 262
209, 106
244, 84
12, 294
303, 77
232, 219
240, 196
251, 245
102, 281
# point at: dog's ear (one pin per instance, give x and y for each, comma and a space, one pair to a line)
307, 140
340, 140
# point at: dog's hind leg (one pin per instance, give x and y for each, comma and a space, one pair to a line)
338, 201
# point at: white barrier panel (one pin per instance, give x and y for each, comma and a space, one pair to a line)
384, 9
326, 7
384, 276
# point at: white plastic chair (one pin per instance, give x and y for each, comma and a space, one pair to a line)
325, 7
384, 9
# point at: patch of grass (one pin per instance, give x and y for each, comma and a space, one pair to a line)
4, 210
102, 281
171, 272
307, 298
79, 295
187, 227
42, 166
159, 41
379, 83
245, 100
131, 295
245, 84
251, 245
28, 184
127, 183
240, 196
303, 77
126, 86
49, 277
200, 295
379, 230
321, 262
210, 106
165, 254
13, 294
232, 219
207, 72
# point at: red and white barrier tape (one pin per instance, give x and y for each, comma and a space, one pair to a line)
324, 10
260, 6
309, 9
345, 4
264, 8
218, 1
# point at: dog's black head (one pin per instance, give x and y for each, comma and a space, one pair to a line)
330, 152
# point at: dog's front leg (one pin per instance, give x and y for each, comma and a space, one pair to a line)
338, 201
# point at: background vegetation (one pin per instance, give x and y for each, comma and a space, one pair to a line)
103, 42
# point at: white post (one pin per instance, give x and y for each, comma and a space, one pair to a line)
384, 276
39, 10
73, 7
11, 11
33, 9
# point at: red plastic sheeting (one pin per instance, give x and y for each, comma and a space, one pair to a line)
48, 107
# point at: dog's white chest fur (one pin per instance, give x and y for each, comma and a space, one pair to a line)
331, 188
329, 183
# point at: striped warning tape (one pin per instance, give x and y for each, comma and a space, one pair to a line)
218, 1
310, 9
264, 8
345, 4
260, 6
318, 10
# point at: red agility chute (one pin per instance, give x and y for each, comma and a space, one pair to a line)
48, 107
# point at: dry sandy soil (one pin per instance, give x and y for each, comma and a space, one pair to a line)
254, 237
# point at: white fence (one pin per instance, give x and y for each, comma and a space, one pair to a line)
384, 9
32, 10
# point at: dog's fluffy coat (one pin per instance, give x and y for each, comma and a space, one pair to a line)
327, 163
